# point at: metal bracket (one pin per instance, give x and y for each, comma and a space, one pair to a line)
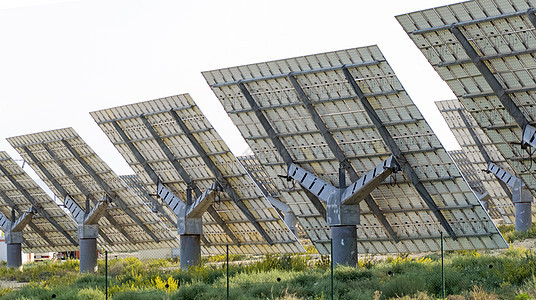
529, 137
23, 220
370, 181
520, 193
343, 202
13, 229
189, 216
81, 216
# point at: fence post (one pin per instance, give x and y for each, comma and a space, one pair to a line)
106, 272
227, 271
442, 269
331, 258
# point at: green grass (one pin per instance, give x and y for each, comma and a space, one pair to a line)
509, 234
469, 275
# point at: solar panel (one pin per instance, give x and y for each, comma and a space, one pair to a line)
504, 213
485, 51
72, 170
480, 151
50, 228
173, 138
348, 108
138, 187
258, 174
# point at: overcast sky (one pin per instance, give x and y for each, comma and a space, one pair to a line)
59, 60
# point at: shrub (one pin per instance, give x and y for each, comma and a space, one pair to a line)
91, 294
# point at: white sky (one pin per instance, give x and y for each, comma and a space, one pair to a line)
59, 60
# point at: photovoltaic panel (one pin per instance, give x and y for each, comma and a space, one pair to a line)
176, 140
500, 209
347, 107
470, 137
485, 51
258, 174
50, 229
71, 168
162, 211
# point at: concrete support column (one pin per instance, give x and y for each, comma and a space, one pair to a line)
88, 255
14, 255
190, 250
14, 249
344, 245
87, 235
523, 216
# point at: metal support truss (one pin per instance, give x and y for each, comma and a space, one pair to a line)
108, 191
343, 202
13, 235
36, 205
481, 147
227, 188
189, 221
63, 193
521, 196
398, 155
496, 86
88, 231
185, 176
340, 156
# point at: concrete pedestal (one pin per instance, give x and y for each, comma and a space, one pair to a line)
523, 216
190, 250
344, 245
88, 255
14, 255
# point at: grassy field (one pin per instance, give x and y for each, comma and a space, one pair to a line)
468, 275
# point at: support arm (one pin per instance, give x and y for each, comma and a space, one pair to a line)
504, 176
370, 181
5, 223
75, 210
201, 204
323, 190
92, 218
176, 205
23, 220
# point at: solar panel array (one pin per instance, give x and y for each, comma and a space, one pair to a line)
175, 139
50, 229
485, 50
71, 168
478, 148
348, 107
